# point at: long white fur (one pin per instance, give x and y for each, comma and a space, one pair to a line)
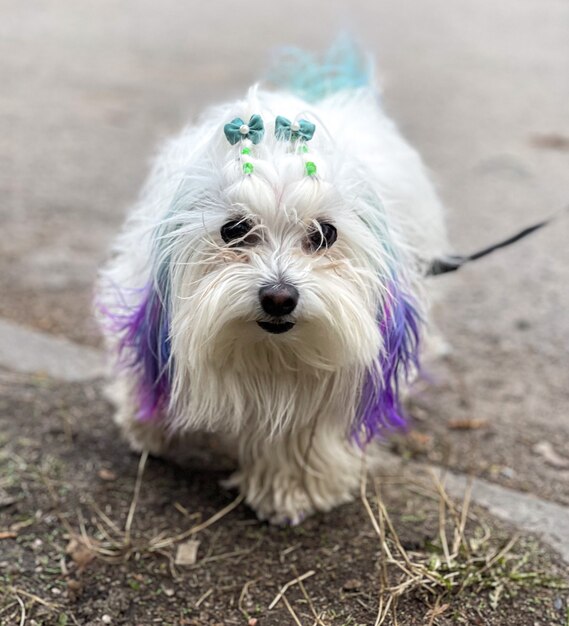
286, 401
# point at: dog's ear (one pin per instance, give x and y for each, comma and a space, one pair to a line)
145, 348
380, 407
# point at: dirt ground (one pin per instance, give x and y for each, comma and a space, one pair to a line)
66, 474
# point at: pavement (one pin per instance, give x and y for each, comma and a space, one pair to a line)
481, 89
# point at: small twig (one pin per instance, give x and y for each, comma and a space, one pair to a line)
383, 611
287, 551
459, 539
171, 563
384, 579
500, 554
459, 520
442, 494
103, 531
137, 486
212, 542
394, 612
184, 511
411, 567
244, 592
382, 537
435, 611
443, 530
164, 543
292, 612
228, 555
309, 600
203, 597
23, 609
379, 527
4, 609
74, 619
49, 605
285, 587
365, 501
108, 521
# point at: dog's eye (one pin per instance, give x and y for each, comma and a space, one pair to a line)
236, 230
322, 237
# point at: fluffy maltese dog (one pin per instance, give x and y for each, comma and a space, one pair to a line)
268, 285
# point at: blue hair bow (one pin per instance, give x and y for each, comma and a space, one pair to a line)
287, 131
237, 129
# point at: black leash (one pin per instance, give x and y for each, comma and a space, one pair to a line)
453, 262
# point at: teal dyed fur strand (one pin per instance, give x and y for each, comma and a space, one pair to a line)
314, 77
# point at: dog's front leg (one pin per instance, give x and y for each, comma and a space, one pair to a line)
286, 478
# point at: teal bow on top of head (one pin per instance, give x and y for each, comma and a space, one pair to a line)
237, 129
287, 130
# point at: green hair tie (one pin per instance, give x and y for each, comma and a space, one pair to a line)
310, 168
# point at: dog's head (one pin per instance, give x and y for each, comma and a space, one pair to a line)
275, 257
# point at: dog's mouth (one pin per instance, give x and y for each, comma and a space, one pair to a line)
276, 328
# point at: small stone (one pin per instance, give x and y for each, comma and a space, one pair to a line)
168, 592
56, 591
106, 474
507, 472
550, 456
352, 585
248, 168
310, 168
106, 619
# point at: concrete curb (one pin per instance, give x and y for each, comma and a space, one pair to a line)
525, 511
33, 352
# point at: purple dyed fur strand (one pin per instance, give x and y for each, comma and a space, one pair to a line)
380, 407
145, 348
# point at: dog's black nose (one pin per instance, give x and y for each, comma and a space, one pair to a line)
280, 299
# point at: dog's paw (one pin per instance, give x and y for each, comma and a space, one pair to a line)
284, 521
289, 507
283, 503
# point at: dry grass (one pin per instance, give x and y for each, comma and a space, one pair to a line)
463, 558
117, 545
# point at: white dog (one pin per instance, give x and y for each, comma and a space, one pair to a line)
268, 285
